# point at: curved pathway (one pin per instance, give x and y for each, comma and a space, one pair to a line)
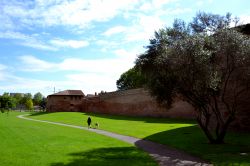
163, 154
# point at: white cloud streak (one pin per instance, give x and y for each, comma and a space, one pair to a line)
115, 30
33, 41
26, 40
69, 43
70, 13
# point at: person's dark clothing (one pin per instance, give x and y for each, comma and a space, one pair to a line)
89, 122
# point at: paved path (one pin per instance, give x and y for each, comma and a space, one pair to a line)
163, 154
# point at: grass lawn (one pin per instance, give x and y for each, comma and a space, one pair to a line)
25, 143
182, 134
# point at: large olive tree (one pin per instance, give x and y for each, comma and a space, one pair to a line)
206, 63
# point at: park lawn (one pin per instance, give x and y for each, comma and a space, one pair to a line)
181, 134
29, 143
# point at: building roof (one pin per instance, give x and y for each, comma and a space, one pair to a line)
69, 93
245, 29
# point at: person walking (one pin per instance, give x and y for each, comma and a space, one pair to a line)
89, 122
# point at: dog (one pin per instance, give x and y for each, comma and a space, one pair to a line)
96, 125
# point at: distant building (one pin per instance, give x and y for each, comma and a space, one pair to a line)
68, 100
14, 94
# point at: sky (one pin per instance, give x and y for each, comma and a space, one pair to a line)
55, 45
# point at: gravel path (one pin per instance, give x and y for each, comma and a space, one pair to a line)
163, 154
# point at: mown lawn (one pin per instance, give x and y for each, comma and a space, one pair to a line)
181, 134
28, 143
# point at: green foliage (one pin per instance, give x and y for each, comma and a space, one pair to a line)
204, 63
29, 104
7, 102
130, 79
18, 97
38, 98
22, 101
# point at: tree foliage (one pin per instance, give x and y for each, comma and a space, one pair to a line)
130, 79
37, 99
7, 102
21, 101
206, 64
29, 104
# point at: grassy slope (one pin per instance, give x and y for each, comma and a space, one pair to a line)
31, 143
181, 134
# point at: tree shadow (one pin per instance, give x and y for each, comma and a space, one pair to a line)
39, 113
127, 118
110, 157
235, 150
139, 118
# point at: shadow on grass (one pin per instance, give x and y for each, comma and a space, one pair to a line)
192, 140
39, 113
118, 156
144, 119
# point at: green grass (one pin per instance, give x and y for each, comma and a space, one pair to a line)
29, 143
181, 134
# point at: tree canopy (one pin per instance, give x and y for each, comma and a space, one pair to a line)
38, 98
21, 101
130, 79
7, 102
206, 63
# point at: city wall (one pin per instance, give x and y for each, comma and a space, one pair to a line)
135, 102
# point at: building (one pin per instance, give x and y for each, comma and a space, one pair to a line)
68, 100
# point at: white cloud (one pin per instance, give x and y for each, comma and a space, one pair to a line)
155, 5
26, 40
115, 30
89, 75
244, 19
77, 13
69, 43
33, 41
144, 28
2, 72
93, 82
2, 67
88, 83
118, 64
34, 64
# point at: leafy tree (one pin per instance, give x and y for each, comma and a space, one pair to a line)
7, 102
27, 100
37, 99
206, 64
29, 104
18, 97
130, 79
26, 97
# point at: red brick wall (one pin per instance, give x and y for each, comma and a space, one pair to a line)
136, 102
64, 103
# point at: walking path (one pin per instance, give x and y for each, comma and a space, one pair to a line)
163, 154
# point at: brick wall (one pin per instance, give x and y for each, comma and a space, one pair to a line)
64, 103
135, 102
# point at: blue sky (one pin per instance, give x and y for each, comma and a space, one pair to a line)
86, 44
